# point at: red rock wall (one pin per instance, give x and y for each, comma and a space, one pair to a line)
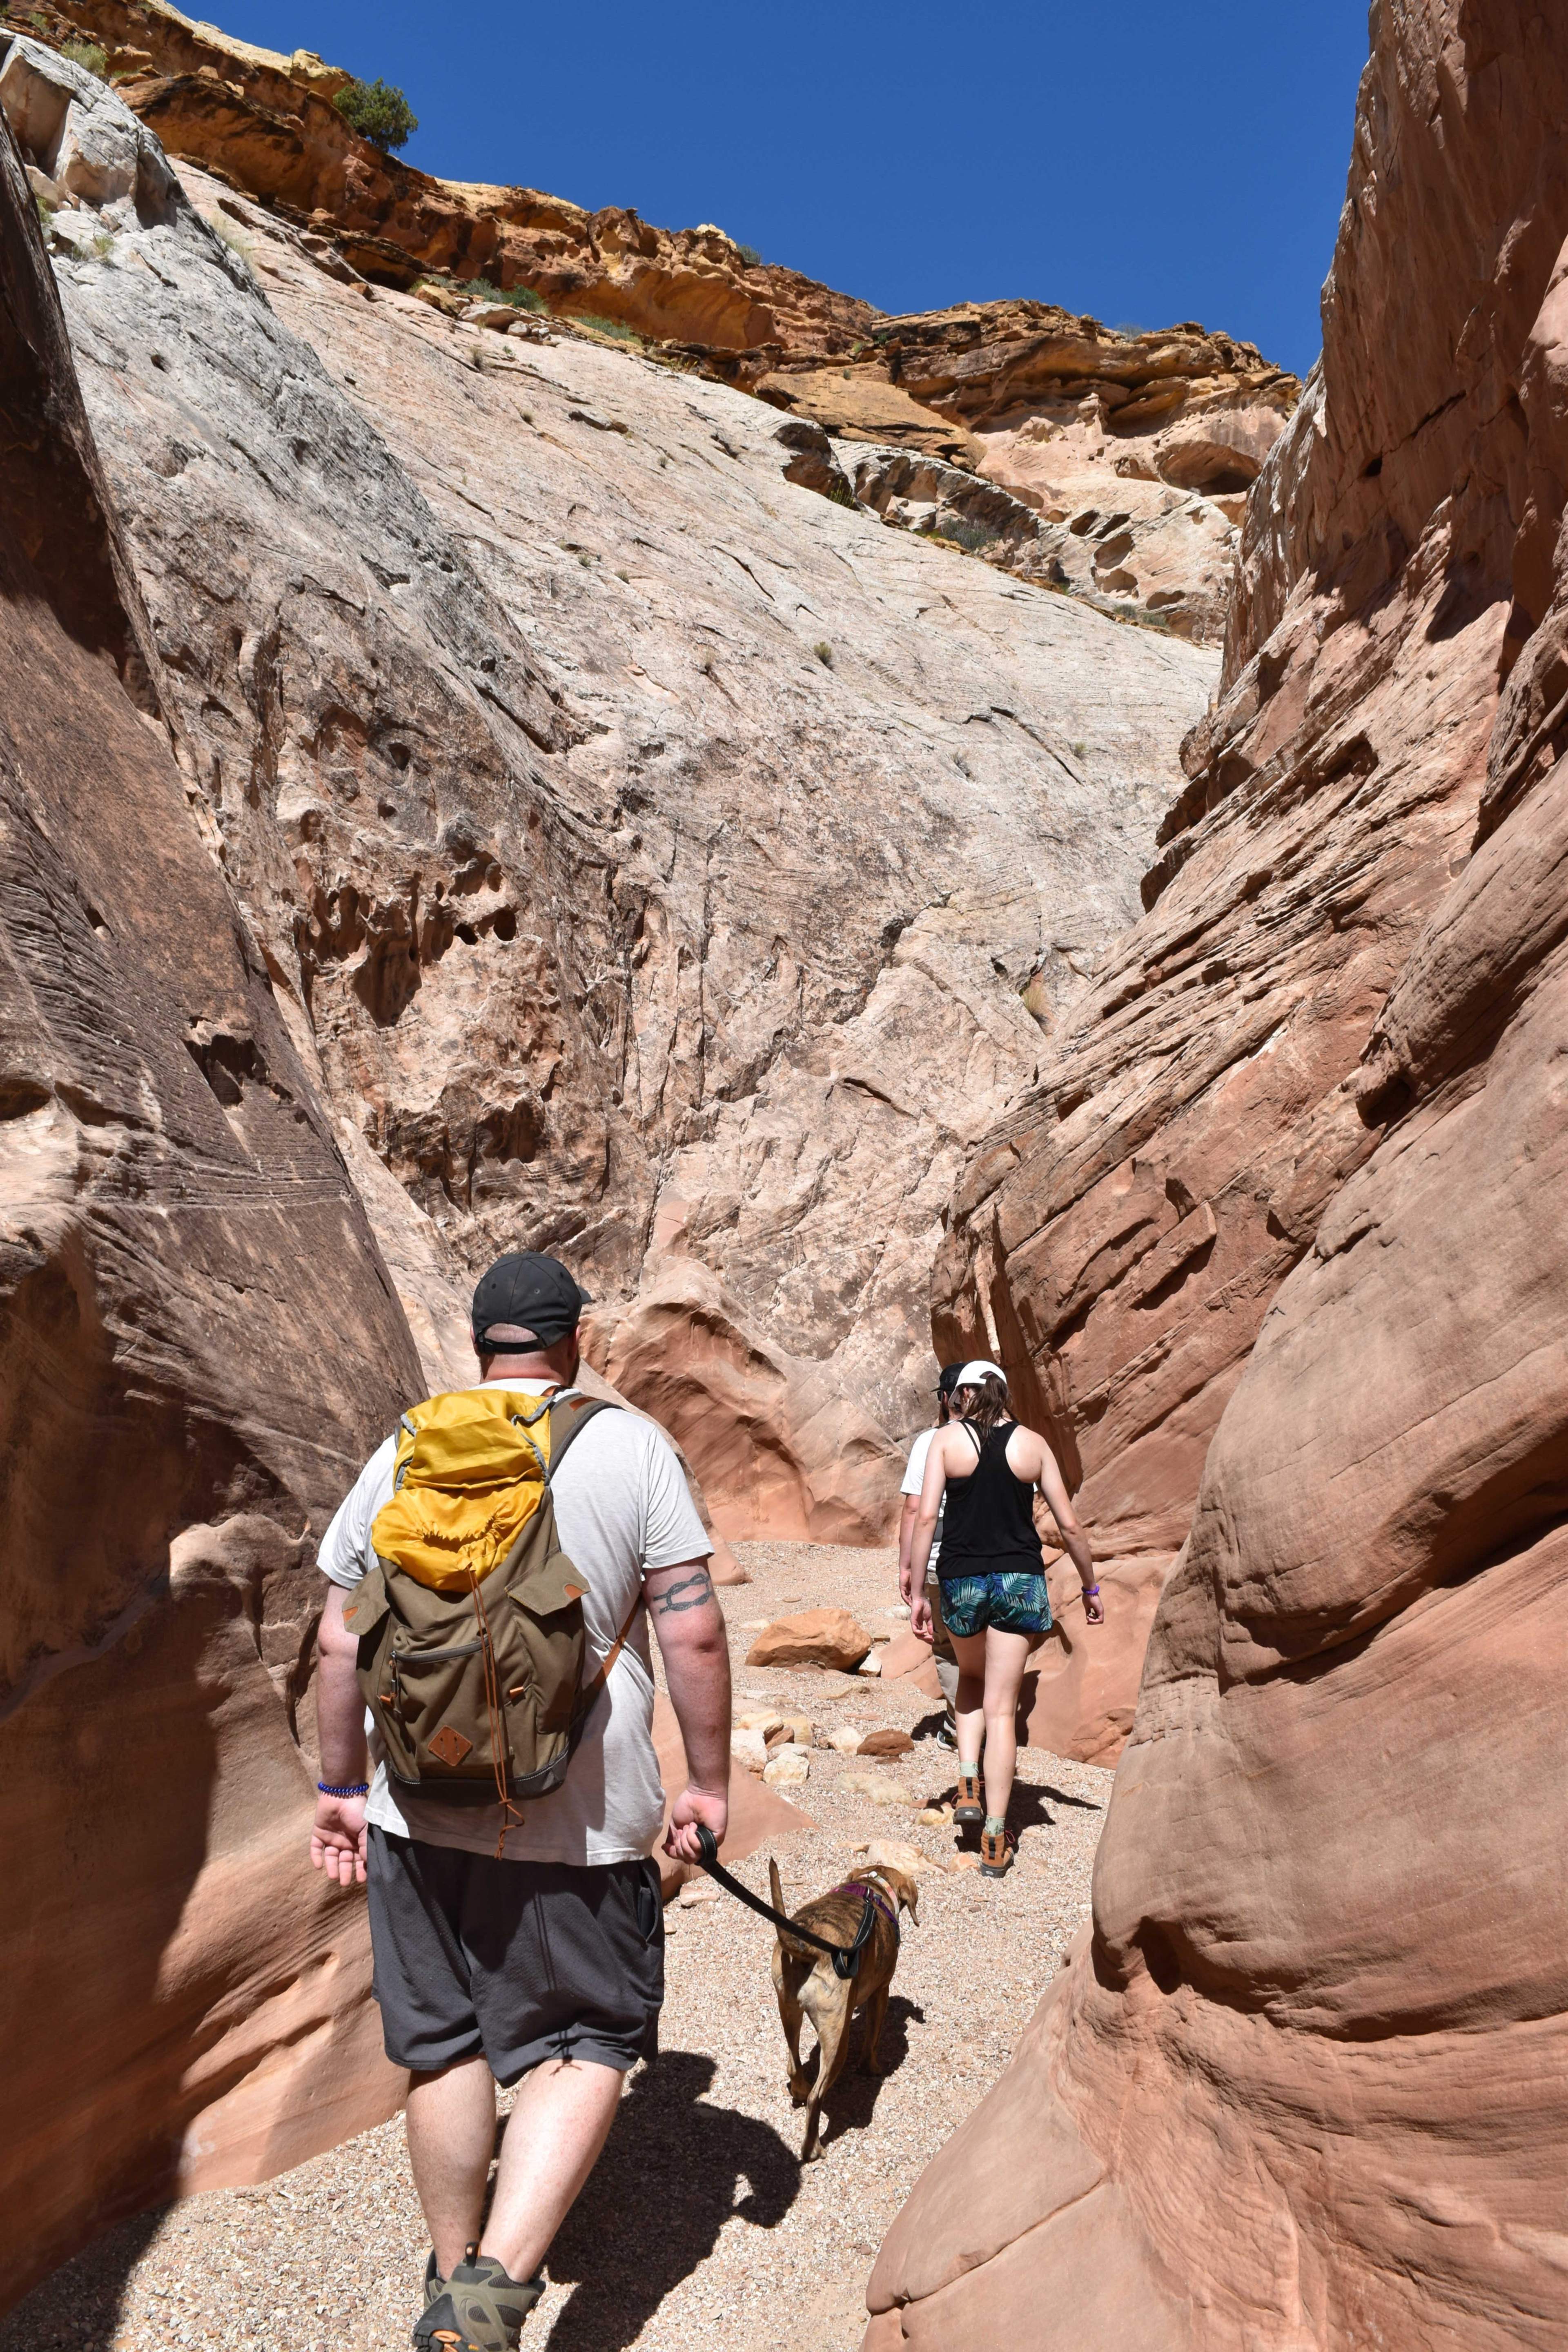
1134, 1216
199, 1345
1310, 2065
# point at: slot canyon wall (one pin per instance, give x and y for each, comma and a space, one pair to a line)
1280, 1229
200, 1343
471, 789
632, 833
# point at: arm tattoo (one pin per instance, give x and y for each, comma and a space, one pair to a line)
692, 1592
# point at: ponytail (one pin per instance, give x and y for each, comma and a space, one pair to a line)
983, 1405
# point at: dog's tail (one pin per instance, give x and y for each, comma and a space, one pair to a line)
787, 1943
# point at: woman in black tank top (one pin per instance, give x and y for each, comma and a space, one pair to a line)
994, 1604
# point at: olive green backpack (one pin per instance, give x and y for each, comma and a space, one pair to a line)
472, 1639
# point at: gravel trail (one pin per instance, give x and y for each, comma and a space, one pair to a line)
700, 2227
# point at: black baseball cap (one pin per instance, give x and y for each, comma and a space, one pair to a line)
947, 1379
532, 1291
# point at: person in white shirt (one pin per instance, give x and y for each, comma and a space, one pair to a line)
946, 1661
538, 1960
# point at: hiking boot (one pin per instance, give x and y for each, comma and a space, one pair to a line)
998, 1852
946, 1737
477, 2309
970, 1806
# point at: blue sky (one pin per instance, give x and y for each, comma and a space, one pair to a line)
1146, 163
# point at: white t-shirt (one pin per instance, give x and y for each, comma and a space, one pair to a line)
622, 1508
914, 1479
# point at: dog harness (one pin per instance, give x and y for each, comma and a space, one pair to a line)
876, 1893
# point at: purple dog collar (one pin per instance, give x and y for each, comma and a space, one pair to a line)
873, 1894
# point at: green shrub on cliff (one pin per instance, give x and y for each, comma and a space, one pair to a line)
616, 327
89, 55
378, 112
521, 298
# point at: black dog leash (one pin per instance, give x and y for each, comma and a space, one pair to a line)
846, 1957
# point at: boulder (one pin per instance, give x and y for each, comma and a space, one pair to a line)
722, 1565
788, 1767
906, 1654
1082, 1684
77, 134
886, 1744
1304, 2084
898, 1854
876, 1788
749, 1749
817, 1637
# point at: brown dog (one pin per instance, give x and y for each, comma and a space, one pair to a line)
808, 1985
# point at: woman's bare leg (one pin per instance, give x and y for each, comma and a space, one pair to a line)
970, 1704
1006, 1656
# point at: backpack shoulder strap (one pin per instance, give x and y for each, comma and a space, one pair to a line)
566, 1418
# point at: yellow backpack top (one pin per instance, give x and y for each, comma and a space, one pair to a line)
471, 1470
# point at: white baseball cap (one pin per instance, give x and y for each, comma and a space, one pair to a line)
973, 1374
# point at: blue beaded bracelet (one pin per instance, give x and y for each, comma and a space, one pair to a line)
350, 1788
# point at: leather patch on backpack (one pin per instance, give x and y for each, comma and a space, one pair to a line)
450, 1746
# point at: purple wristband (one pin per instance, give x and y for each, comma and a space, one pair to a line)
1088, 1591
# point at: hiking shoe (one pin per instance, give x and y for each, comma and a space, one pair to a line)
970, 1806
998, 1852
479, 2309
435, 2283
945, 1735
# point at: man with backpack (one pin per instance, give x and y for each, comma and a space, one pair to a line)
493, 1571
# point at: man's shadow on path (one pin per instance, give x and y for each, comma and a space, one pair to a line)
77, 2308
673, 2172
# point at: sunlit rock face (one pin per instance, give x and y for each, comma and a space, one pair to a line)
1303, 1159
1110, 463
653, 857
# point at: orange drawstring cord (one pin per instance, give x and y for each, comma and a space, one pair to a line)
510, 1811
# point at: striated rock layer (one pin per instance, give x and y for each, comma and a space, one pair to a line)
1304, 2087
200, 1343
632, 833
267, 125
1110, 463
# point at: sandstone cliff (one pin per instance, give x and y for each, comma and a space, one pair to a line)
1302, 2088
1113, 462
200, 1341
633, 834
266, 123
1110, 463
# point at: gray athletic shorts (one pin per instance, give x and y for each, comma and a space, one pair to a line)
514, 1961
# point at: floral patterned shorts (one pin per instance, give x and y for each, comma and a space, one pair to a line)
1013, 1600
